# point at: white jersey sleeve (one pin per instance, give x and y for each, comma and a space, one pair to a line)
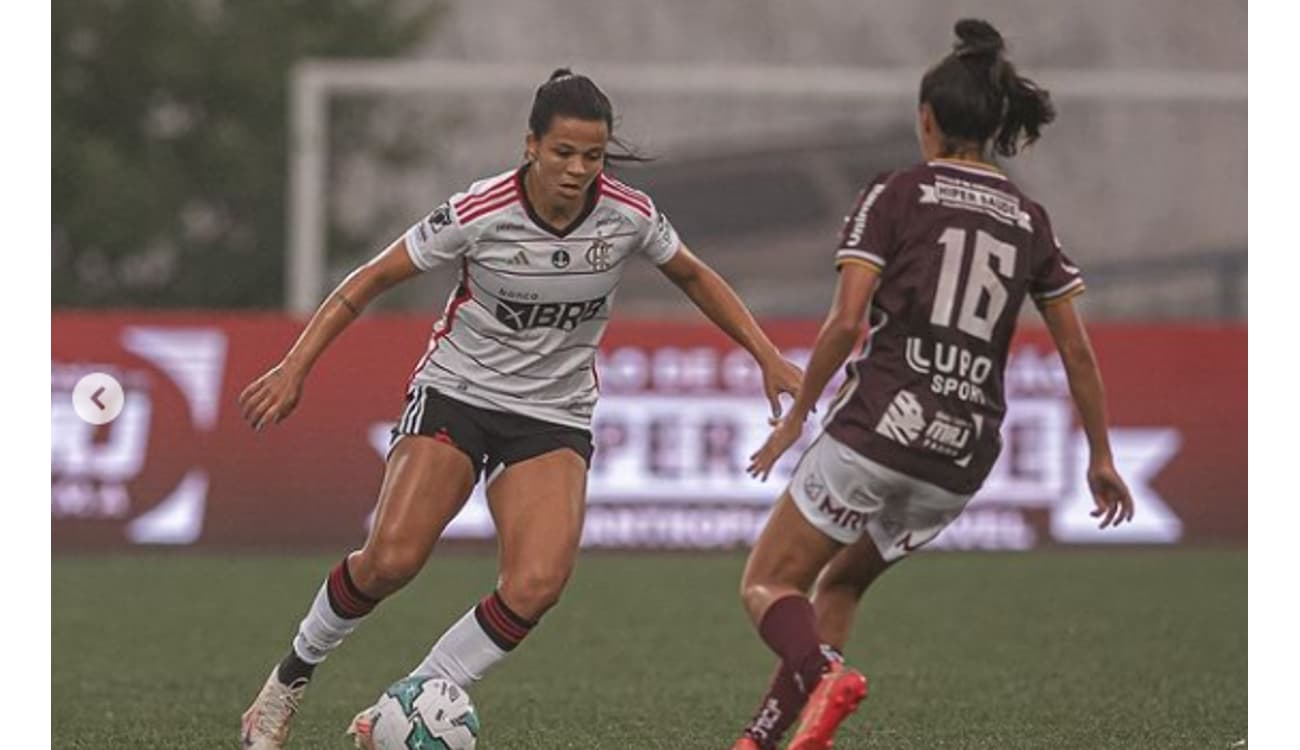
660, 242
437, 238
657, 240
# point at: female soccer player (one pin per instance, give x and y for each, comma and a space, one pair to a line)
505, 389
943, 254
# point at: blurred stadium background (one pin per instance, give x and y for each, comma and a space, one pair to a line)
218, 164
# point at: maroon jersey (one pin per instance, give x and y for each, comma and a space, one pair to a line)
958, 247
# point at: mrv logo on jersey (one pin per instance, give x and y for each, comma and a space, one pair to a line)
562, 315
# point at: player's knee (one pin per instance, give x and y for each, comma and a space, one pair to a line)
756, 581
753, 595
532, 591
386, 569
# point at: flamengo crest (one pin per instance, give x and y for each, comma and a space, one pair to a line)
598, 254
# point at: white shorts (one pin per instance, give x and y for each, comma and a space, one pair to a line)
843, 493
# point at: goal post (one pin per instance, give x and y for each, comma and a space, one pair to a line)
314, 82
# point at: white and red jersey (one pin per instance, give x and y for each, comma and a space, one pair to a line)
520, 331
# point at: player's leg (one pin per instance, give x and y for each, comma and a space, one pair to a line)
425, 484
904, 514
836, 593
819, 514
782, 567
841, 586
537, 504
911, 516
785, 560
785, 695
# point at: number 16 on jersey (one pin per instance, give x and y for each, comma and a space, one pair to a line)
989, 253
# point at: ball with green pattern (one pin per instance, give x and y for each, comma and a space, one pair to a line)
424, 713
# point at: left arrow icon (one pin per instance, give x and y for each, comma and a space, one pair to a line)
98, 398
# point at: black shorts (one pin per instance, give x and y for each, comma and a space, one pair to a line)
491, 439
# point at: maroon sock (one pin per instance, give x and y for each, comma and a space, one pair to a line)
347, 601
789, 628
779, 708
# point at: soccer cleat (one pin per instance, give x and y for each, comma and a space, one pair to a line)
361, 729
836, 696
265, 725
746, 743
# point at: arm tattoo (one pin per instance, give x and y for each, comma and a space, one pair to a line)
348, 304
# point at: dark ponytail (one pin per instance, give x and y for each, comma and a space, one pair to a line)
977, 95
567, 94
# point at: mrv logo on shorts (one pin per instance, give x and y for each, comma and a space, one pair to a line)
562, 315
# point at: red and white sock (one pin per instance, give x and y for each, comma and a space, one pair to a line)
336, 611
479, 639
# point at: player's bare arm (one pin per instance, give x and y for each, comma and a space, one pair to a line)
1114, 503
274, 395
835, 340
719, 302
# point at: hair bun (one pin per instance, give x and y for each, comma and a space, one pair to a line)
977, 38
559, 73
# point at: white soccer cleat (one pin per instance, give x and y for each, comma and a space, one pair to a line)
361, 729
265, 725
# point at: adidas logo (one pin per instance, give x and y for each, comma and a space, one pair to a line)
520, 259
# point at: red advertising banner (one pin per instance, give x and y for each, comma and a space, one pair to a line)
681, 410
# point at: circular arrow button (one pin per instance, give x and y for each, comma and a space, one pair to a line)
98, 398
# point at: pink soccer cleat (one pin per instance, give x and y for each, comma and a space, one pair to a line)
834, 699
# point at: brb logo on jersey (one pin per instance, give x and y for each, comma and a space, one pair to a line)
562, 315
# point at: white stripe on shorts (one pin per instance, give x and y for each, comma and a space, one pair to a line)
419, 414
411, 418
406, 415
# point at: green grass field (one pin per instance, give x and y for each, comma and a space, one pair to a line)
1099, 649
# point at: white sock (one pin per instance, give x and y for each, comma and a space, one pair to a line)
322, 630
463, 654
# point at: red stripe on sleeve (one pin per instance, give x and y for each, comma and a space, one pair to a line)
485, 209
494, 191
641, 208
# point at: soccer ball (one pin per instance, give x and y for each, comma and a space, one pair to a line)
424, 713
